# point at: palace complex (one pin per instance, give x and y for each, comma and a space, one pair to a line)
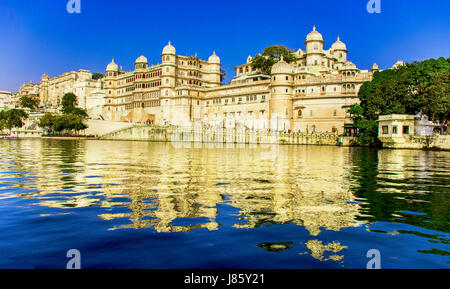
310, 94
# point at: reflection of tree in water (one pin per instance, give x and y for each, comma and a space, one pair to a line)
402, 187
70, 152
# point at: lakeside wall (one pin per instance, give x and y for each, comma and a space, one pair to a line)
437, 142
230, 135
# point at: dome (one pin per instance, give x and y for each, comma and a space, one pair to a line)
214, 58
141, 59
375, 67
169, 49
349, 65
282, 67
314, 36
112, 66
339, 45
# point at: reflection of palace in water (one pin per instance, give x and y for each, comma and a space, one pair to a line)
143, 185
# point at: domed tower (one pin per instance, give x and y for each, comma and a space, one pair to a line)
374, 68
339, 50
168, 69
314, 48
112, 69
282, 91
214, 69
141, 63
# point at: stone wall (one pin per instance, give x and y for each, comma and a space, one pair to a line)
209, 135
441, 142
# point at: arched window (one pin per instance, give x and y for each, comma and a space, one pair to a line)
300, 113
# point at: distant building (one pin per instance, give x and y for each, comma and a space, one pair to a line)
411, 132
89, 92
396, 125
6, 100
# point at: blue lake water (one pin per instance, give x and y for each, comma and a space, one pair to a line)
156, 205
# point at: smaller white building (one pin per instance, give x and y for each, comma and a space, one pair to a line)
5, 100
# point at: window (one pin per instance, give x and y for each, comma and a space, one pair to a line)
394, 129
334, 113
385, 129
287, 77
406, 129
311, 113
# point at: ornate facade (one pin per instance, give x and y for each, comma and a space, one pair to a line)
311, 94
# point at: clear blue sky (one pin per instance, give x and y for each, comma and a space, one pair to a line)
39, 36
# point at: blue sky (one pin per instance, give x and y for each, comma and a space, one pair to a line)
39, 36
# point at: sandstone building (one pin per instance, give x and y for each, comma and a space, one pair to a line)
311, 94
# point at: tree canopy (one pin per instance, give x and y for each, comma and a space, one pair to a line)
272, 54
68, 102
12, 118
223, 76
97, 75
29, 101
69, 106
408, 89
60, 123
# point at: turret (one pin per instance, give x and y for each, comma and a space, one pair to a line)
214, 69
340, 50
280, 103
314, 48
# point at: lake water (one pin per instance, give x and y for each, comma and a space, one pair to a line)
157, 205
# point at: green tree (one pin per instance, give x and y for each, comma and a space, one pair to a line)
68, 102
409, 89
271, 55
14, 118
29, 101
79, 112
223, 76
3, 125
69, 123
97, 75
47, 121
69, 106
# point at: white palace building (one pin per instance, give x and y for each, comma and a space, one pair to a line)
310, 94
